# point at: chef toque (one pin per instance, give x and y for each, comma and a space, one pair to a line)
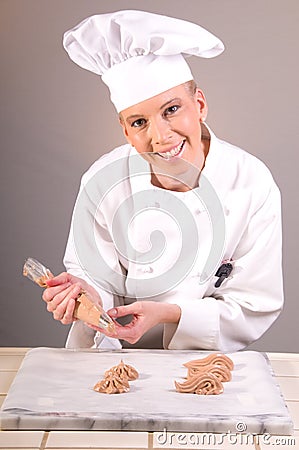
138, 54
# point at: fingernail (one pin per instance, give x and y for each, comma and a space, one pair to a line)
112, 312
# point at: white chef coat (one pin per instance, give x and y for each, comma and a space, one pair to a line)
227, 318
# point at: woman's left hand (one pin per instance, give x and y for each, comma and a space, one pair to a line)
146, 314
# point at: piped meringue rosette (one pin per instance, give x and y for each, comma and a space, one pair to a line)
206, 375
116, 379
123, 371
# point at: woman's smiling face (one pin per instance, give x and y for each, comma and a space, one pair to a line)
166, 129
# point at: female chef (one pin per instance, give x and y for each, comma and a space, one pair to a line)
176, 233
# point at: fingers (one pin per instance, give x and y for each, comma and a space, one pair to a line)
62, 278
134, 330
61, 293
105, 331
127, 332
50, 293
130, 333
146, 314
68, 316
121, 311
63, 296
62, 304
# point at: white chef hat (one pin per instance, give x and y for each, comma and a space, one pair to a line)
138, 54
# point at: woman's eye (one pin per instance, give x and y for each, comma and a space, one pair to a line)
171, 109
138, 123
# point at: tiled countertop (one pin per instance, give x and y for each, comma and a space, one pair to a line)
286, 369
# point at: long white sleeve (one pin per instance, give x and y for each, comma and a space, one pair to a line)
237, 313
88, 244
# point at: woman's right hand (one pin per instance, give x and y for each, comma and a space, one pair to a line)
61, 294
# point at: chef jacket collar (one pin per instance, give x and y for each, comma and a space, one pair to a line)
140, 174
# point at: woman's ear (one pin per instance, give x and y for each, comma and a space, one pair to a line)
202, 105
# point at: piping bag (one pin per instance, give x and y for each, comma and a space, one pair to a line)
84, 310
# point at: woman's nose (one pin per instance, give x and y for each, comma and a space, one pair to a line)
160, 131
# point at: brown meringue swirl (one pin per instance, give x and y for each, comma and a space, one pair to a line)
221, 372
206, 375
124, 371
201, 384
217, 359
112, 384
116, 379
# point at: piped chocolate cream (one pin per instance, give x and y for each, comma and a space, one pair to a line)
123, 371
221, 372
201, 384
116, 379
112, 384
206, 375
217, 359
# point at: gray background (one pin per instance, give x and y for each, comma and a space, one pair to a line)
56, 119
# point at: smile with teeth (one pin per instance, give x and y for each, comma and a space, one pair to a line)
173, 152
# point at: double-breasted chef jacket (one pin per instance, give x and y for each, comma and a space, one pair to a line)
134, 241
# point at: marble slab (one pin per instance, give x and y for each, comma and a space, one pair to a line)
53, 390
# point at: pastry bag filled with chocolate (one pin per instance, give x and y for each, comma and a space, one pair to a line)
85, 309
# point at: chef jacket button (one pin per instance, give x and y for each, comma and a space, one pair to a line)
147, 269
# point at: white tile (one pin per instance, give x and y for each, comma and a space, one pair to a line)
96, 439
289, 387
6, 378
285, 368
203, 441
283, 356
4, 351
279, 442
294, 411
17, 439
2, 397
10, 362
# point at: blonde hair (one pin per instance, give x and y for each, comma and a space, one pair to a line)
190, 87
